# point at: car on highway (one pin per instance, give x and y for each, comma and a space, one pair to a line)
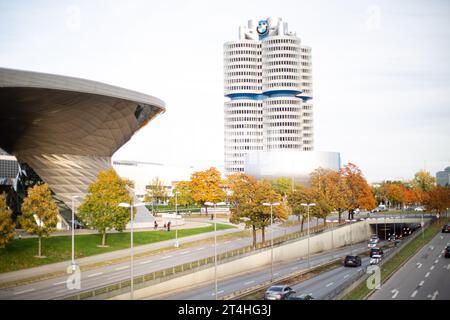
372, 244
446, 228
447, 252
376, 253
280, 292
352, 261
300, 297
374, 261
375, 238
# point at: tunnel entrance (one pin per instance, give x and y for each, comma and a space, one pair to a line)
388, 230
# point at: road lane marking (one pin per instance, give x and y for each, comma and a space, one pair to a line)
436, 261
166, 257
346, 276
95, 274
427, 275
58, 283
275, 274
432, 267
431, 248
249, 282
218, 292
227, 242
115, 277
145, 262
414, 294
184, 252
359, 270
294, 268
448, 267
395, 293
434, 295
121, 268
24, 291
201, 248
419, 265
421, 283
330, 284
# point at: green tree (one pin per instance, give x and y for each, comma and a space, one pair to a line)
7, 226
156, 191
39, 213
100, 209
184, 197
282, 185
424, 181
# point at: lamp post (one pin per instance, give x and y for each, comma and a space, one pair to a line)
271, 204
215, 204
131, 206
309, 226
176, 219
73, 231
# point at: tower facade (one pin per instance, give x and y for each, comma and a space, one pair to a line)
268, 83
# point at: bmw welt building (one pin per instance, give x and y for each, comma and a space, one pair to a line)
269, 110
64, 130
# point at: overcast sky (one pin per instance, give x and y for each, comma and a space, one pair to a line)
381, 71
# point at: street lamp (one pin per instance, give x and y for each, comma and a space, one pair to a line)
271, 234
215, 204
131, 206
309, 226
73, 231
176, 219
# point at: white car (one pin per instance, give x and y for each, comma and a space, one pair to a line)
374, 260
419, 209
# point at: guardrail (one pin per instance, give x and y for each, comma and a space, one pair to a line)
117, 288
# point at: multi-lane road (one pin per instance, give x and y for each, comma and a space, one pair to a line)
426, 276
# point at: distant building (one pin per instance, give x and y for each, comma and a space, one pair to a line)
443, 177
9, 168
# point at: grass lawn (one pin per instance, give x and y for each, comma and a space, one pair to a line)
391, 266
19, 253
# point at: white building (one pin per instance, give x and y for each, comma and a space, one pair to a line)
268, 84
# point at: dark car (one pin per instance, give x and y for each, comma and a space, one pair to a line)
447, 252
352, 261
376, 253
446, 228
280, 292
301, 297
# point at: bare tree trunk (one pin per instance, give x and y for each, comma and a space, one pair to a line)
39, 250
254, 236
301, 228
339, 216
263, 233
103, 238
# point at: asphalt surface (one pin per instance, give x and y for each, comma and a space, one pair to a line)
56, 288
318, 286
426, 276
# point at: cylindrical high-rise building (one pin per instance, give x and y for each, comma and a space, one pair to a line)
268, 80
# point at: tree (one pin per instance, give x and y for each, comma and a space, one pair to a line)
295, 198
185, 196
248, 196
39, 213
424, 181
100, 209
395, 193
7, 227
360, 194
282, 185
206, 186
330, 191
438, 199
156, 191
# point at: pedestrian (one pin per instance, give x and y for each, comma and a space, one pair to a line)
156, 225
165, 226
168, 226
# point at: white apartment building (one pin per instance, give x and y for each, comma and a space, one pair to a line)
268, 86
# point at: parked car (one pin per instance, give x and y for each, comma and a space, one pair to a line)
280, 292
352, 261
446, 228
380, 208
301, 297
419, 209
447, 252
376, 253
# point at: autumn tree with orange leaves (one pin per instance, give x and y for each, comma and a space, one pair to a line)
438, 199
360, 193
206, 186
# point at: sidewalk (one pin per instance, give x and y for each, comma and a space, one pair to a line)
61, 266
